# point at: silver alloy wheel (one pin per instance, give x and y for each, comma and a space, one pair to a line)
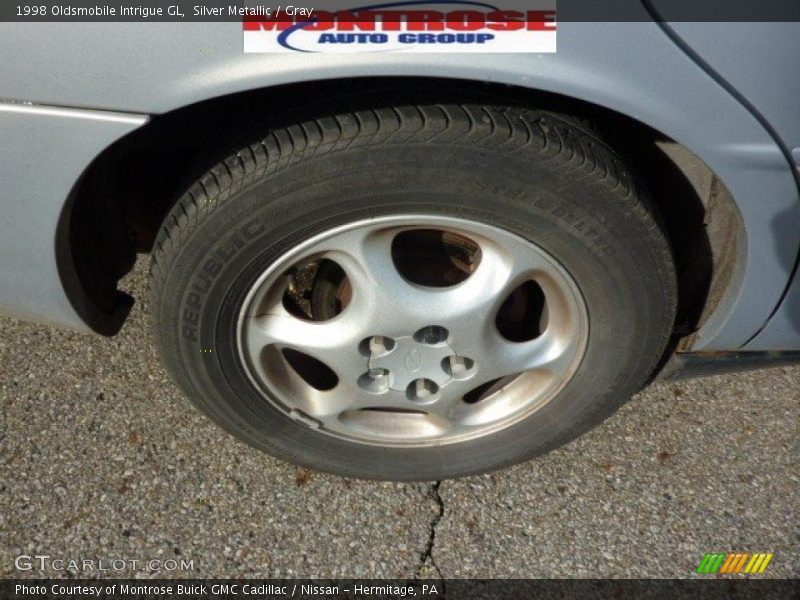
404, 362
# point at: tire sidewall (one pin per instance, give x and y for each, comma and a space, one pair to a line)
607, 252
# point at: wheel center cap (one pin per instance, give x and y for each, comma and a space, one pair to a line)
410, 360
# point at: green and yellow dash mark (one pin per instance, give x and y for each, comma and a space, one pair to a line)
734, 562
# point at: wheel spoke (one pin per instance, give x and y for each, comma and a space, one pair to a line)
328, 406
548, 352
446, 407
334, 343
477, 299
379, 292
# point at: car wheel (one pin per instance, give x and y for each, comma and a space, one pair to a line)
414, 292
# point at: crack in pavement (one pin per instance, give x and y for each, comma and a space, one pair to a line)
426, 556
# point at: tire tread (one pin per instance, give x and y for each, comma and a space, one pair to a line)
568, 145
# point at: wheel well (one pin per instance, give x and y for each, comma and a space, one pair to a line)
117, 207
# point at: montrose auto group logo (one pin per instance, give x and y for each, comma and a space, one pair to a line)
410, 26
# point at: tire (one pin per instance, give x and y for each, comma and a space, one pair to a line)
518, 178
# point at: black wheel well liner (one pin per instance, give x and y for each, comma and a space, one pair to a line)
120, 201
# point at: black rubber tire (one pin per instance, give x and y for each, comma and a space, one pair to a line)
544, 176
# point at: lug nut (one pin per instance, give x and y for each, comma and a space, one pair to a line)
380, 345
459, 367
376, 381
423, 391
